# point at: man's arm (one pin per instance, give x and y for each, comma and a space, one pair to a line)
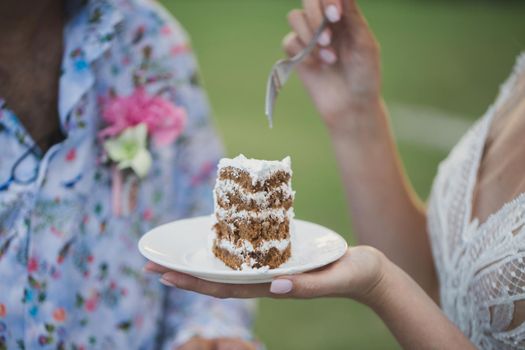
169, 68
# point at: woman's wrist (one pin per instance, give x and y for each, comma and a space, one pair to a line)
394, 285
358, 121
379, 295
375, 294
363, 275
402, 305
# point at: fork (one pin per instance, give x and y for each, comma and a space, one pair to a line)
282, 69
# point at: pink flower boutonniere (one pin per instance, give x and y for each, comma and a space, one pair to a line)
133, 123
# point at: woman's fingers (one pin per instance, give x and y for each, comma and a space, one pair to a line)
330, 280
326, 281
292, 45
314, 15
306, 285
219, 290
327, 55
333, 10
299, 24
155, 268
304, 23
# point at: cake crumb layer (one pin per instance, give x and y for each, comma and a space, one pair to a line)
273, 258
258, 170
243, 178
252, 230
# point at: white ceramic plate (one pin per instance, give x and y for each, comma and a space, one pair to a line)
185, 246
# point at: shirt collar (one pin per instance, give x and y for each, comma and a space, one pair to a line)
89, 32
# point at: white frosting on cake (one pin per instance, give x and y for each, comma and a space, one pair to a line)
259, 170
245, 246
233, 213
249, 266
225, 187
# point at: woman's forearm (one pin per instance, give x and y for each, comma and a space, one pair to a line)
363, 274
414, 319
385, 211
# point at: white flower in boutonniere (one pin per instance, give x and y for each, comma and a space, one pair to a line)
134, 122
129, 150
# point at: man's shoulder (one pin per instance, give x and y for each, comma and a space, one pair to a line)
149, 19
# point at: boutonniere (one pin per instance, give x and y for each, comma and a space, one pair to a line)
133, 124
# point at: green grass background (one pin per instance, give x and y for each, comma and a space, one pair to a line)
450, 55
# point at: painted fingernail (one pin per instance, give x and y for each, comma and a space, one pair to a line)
327, 56
166, 282
281, 286
332, 13
324, 39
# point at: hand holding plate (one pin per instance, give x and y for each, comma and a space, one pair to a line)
357, 275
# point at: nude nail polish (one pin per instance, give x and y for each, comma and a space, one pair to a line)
324, 39
327, 56
332, 13
281, 286
166, 283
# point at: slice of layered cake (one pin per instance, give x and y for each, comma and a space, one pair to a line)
253, 212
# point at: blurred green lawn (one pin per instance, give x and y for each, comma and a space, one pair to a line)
451, 55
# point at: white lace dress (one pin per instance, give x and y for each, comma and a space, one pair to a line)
481, 267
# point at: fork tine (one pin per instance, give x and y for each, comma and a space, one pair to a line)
276, 82
273, 88
281, 71
270, 100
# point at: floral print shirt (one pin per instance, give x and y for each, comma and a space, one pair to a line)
70, 273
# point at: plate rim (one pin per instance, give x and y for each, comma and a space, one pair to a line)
238, 273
